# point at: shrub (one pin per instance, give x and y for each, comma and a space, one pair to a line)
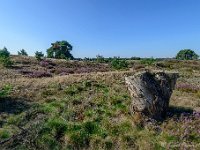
5, 91
5, 58
4, 134
4, 52
116, 63
100, 59
22, 52
148, 61
6, 62
39, 55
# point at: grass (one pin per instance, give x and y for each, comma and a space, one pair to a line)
91, 111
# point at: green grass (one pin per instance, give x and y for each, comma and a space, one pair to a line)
92, 112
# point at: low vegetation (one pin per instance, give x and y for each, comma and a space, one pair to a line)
70, 104
5, 58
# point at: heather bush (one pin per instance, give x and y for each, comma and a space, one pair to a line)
47, 64
64, 71
35, 74
186, 87
39, 74
83, 70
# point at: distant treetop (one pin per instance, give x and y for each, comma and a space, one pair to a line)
60, 50
4, 52
22, 52
186, 54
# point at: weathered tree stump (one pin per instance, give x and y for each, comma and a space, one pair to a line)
151, 92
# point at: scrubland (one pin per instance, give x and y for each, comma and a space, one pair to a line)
58, 104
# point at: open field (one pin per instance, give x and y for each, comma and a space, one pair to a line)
62, 104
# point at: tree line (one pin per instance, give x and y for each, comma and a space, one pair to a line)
62, 50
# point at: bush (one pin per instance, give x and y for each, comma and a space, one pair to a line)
39, 55
100, 59
22, 52
6, 62
4, 52
186, 54
148, 61
4, 134
5, 58
119, 64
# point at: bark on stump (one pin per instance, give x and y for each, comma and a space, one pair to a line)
151, 92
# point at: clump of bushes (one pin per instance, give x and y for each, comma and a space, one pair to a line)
39, 55
118, 64
5, 58
22, 52
148, 61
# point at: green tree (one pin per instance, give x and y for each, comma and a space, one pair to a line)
4, 52
60, 50
22, 52
5, 57
187, 54
39, 55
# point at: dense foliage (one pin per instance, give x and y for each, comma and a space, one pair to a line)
186, 54
5, 57
119, 64
60, 50
4, 52
39, 55
22, 52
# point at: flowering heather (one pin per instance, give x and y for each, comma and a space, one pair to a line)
186, 87
39, 74
47, 64
35, 74
64, 71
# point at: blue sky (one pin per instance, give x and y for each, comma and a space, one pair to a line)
144, 28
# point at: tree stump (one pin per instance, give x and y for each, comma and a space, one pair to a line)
151, 92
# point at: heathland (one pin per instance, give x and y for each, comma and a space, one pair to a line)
84, 104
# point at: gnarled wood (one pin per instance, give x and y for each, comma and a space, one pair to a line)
151, 92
